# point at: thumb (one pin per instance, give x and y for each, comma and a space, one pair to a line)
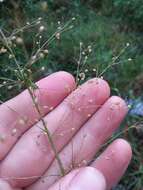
87, 178
5, 186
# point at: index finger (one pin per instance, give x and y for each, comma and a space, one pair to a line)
19, 113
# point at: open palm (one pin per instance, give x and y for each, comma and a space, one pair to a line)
80, 121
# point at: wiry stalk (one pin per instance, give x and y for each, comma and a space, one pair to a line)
47, 132
30, 90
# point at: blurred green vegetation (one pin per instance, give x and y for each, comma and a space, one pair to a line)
107, 26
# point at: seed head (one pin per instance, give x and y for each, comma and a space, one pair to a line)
2, 138
58, 35
19, 40
14, 131
42, 28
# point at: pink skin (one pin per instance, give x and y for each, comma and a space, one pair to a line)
86, 178
5, 186
79, 126
90, 134
114, 160
52, 90
97, 90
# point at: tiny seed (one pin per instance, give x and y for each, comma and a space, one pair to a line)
51, 108
107, 158
2, 138
14, 131
58, 35
108, 119
90, 101
46, 51
41, 29
45, 107
84, 162
21, 122
89, 115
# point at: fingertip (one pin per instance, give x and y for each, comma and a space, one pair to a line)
100, 88
94, 175
68, 77
116, 100
106, 86
114, 161
103, 85
124, 150
58, 77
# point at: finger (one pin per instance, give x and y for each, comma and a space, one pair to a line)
86, 178
5, 186
18, 114
66, 117
83, 147
114, 161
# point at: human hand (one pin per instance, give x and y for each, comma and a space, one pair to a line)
80, 121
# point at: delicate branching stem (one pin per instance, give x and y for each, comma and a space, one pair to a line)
24, 79
5, 41
17, 21
79, 63
47, 132
114, 61
49, 41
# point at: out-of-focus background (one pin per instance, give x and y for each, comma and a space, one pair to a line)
104, 36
